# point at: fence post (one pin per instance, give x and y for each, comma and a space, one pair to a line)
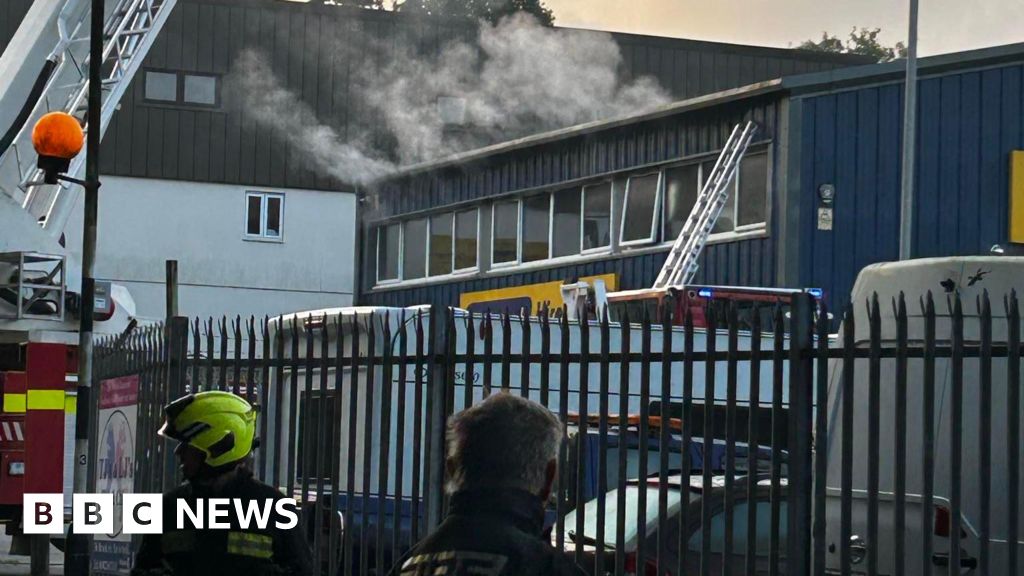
177, 362
439, 379
801, 428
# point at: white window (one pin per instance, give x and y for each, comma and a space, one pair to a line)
451, 110
264, 215
640, 209
682, 185
389, 243
565, 223
597, 217
505, 233
161, 86
745, 208
440, 261
536, 228
414, 249
467, 228
200, 89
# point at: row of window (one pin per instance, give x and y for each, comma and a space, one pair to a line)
651, 207
182, 88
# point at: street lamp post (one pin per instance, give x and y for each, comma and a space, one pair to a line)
57, 138
909, 141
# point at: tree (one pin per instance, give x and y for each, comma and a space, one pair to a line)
489, 10
861, 41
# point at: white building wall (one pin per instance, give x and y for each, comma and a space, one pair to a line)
145, 222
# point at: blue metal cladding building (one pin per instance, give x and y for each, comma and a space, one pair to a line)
847, 129
840, 130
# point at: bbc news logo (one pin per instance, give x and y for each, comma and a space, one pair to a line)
144, 513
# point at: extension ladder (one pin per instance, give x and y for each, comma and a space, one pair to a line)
130, 29
681, 264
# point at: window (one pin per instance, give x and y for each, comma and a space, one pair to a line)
182, 88
727, 217
639, 215
745, 208
466, 229
597, 216
505, 233
264, 213
440, 245
565, 225
389, 240
682, 185
536, 227
752, 190
451, 110
161, 86
414, 249
200, 89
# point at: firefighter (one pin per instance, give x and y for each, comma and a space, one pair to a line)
215, 432
502, 461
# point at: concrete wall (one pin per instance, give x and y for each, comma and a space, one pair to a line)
144, 222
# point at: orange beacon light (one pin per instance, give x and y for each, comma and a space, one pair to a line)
57, 138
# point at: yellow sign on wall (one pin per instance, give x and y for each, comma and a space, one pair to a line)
1017, 196
532, 297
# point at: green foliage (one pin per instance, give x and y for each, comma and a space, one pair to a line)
862, 41
489, 10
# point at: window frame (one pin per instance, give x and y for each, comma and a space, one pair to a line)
476, 259
652, 237
738, 232
578, 191
606, 249
426, 254
522, 224
179, 101
430, 243
183, 76
398, 269
766, 197
262, 236
519, 233
177, 86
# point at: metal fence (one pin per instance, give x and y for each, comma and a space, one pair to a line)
774, 449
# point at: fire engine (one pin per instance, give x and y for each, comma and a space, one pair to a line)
44, 70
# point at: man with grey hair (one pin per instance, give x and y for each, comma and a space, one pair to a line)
502, 462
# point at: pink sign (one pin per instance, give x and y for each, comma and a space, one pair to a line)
118, 392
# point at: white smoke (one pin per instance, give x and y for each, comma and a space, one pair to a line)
280, 109
518, 78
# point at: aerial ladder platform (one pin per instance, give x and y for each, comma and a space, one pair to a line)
46, 69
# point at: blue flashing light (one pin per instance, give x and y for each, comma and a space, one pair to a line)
704, 293
816, 292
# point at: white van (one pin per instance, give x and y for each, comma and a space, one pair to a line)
969, 276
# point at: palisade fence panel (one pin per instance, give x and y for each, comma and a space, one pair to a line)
762, 447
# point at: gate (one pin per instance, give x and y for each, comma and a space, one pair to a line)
753, 443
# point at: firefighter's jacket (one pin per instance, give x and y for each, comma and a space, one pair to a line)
250, 552
489, 533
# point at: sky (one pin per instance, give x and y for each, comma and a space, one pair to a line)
943, 26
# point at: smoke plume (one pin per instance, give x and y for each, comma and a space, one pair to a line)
514, 78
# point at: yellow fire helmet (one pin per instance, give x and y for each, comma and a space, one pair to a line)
220, 424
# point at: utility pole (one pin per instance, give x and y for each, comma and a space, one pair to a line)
79, 562
909, 141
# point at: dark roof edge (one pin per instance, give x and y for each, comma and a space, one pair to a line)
678, 107
846, 77
469, 23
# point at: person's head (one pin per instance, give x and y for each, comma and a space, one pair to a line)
215, 430
503, 442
